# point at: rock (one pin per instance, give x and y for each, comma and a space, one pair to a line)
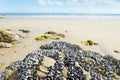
8, 37
47, 61
89, 43
77, 64
50, 35
11, 75
5, 45
88, 75
61, 35
116, 51
64, 78
43, 69
24, 31
64, 72
62, 55
41, 38
50, 32
41, 74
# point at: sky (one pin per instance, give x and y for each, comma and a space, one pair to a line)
60, 6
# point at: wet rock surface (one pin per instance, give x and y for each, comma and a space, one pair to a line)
49, 63
7, 38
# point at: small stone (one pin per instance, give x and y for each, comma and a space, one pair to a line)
47, 61
8, 29
41, 74
43, 69
11, 75
77, 64
50, 32
5, 45
89, 43
64, 72
24, 31
61, 35
62, 55
88, 75
66, 31
117, 51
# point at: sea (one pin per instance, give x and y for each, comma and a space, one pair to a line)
61, 15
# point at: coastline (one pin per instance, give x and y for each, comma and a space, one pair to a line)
106, 32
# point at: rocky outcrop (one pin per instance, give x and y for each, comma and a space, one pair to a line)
7, 38
64, 61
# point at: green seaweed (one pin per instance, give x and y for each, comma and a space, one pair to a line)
85, 43
41, 38
50, 35
88, 43
55, 37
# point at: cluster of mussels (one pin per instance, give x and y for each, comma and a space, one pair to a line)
64, 61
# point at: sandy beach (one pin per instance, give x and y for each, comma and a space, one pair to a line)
105, 32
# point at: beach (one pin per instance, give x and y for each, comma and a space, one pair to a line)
105, 32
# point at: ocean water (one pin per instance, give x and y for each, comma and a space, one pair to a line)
60, 15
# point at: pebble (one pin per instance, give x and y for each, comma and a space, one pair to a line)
5, 45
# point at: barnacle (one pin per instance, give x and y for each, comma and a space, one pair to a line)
49, 63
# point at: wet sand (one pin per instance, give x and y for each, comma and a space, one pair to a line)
105, 32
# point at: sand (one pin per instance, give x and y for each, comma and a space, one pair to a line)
106, 32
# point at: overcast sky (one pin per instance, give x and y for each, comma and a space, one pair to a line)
60, 6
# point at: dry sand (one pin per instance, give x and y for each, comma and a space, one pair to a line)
106, 32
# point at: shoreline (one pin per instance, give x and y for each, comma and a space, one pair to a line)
64, 17
106, 32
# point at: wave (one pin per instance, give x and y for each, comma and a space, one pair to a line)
84, 15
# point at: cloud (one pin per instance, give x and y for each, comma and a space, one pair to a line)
49, 2
42, 2
58, 3
73, 2
80, 5
115, 3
